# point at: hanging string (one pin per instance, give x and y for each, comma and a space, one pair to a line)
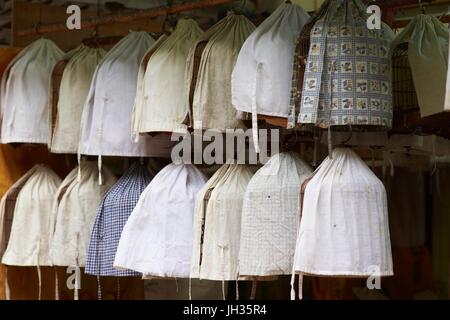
255, 111
237, 289
222, 267
39, 281
190, 288
56, 285
118, 288
253, 293
7, 288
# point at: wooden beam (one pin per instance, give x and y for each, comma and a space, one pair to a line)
126, 18
404, 23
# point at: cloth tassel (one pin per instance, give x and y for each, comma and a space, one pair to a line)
176, 285
39, 281
237, 289
7, 288
99, 288
56, 285
253, 294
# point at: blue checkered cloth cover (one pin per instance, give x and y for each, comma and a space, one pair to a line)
112, 215
348, 73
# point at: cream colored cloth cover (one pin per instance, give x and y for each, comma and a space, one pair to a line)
200, 217
428, 43
29, 239
73, 91
157, 238
262, 76
270, 216
344, 228
107, 116
5, 215
216, 252
74, 210
212, 107
163, 108
24, 94
140, 98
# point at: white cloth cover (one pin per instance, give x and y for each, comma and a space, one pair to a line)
270, 217
262, 76
216, 252
106, 122
25, 116
157, 238
7, 209
74, 210
29, 239
163, 108
73, 90
212, 107
344, 228
427, 39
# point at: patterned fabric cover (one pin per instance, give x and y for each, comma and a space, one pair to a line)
112, 215
348, 71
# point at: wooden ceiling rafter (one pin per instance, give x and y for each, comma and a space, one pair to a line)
125, 18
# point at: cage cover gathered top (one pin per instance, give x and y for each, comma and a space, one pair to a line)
73, 215
344, 228
218, 225
348, 78
270, 216
261, 79
106, 122
29, 240
79, 67
24, 94
112, 214
157, 238
163, 108
211, 106
427, 40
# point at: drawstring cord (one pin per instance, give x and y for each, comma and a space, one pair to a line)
100, 138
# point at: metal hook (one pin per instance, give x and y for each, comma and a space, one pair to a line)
422, 8
343, 143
